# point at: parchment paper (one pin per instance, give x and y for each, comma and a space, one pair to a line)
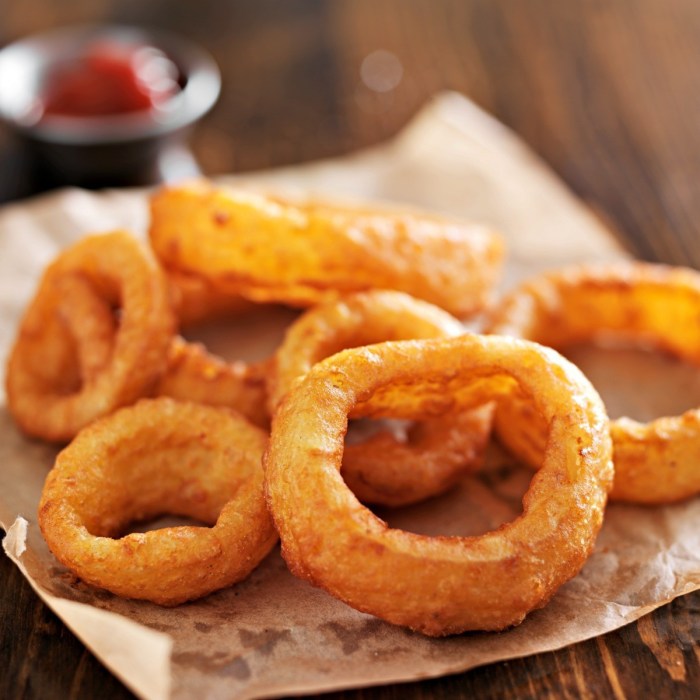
273, 634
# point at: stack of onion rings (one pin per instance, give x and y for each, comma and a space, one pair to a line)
440, 585
101, 333
383, 469
657, 462
97, 350
267, 250
154, 458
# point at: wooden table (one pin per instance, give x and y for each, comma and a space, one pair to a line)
606, 91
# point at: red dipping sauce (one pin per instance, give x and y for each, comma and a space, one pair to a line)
110, 78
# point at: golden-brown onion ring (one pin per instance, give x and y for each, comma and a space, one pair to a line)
384, 469
193, 374
267, 250
47, 393
437, 585
656, 462
153, 458
362, 318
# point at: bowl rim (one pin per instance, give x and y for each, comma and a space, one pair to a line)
193, 101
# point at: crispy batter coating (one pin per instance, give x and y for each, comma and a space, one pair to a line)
438, 585
160, 457
268, 250
95, 337
90, 321
194, 374
656, 462
196, 299
362, 318
384, 469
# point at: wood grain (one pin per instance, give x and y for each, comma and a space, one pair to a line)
608, 92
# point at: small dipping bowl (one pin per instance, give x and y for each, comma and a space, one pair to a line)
143, 144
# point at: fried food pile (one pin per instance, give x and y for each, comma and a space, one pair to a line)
256, 451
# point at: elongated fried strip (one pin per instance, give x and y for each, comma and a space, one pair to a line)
268, 250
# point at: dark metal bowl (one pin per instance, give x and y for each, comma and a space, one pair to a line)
131, 148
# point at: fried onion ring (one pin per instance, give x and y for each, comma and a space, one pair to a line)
655, 462
384, 469
268, 250
438, 585
160, 457
49, 394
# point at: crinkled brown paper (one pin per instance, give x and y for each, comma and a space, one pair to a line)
274, 634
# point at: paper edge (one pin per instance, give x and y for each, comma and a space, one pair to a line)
153, 677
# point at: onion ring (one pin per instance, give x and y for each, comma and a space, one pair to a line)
267, 250
193, 374
48, 394
160, 457
655, 462
383, 469
437, 585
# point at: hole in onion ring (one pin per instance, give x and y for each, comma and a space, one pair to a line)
479, 503
400, 462
248, 335
160, 522
362, 429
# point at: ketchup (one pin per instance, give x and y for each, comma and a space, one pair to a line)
110, 78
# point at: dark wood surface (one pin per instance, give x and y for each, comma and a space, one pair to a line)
607, 91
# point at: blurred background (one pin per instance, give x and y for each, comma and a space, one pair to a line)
606, 91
